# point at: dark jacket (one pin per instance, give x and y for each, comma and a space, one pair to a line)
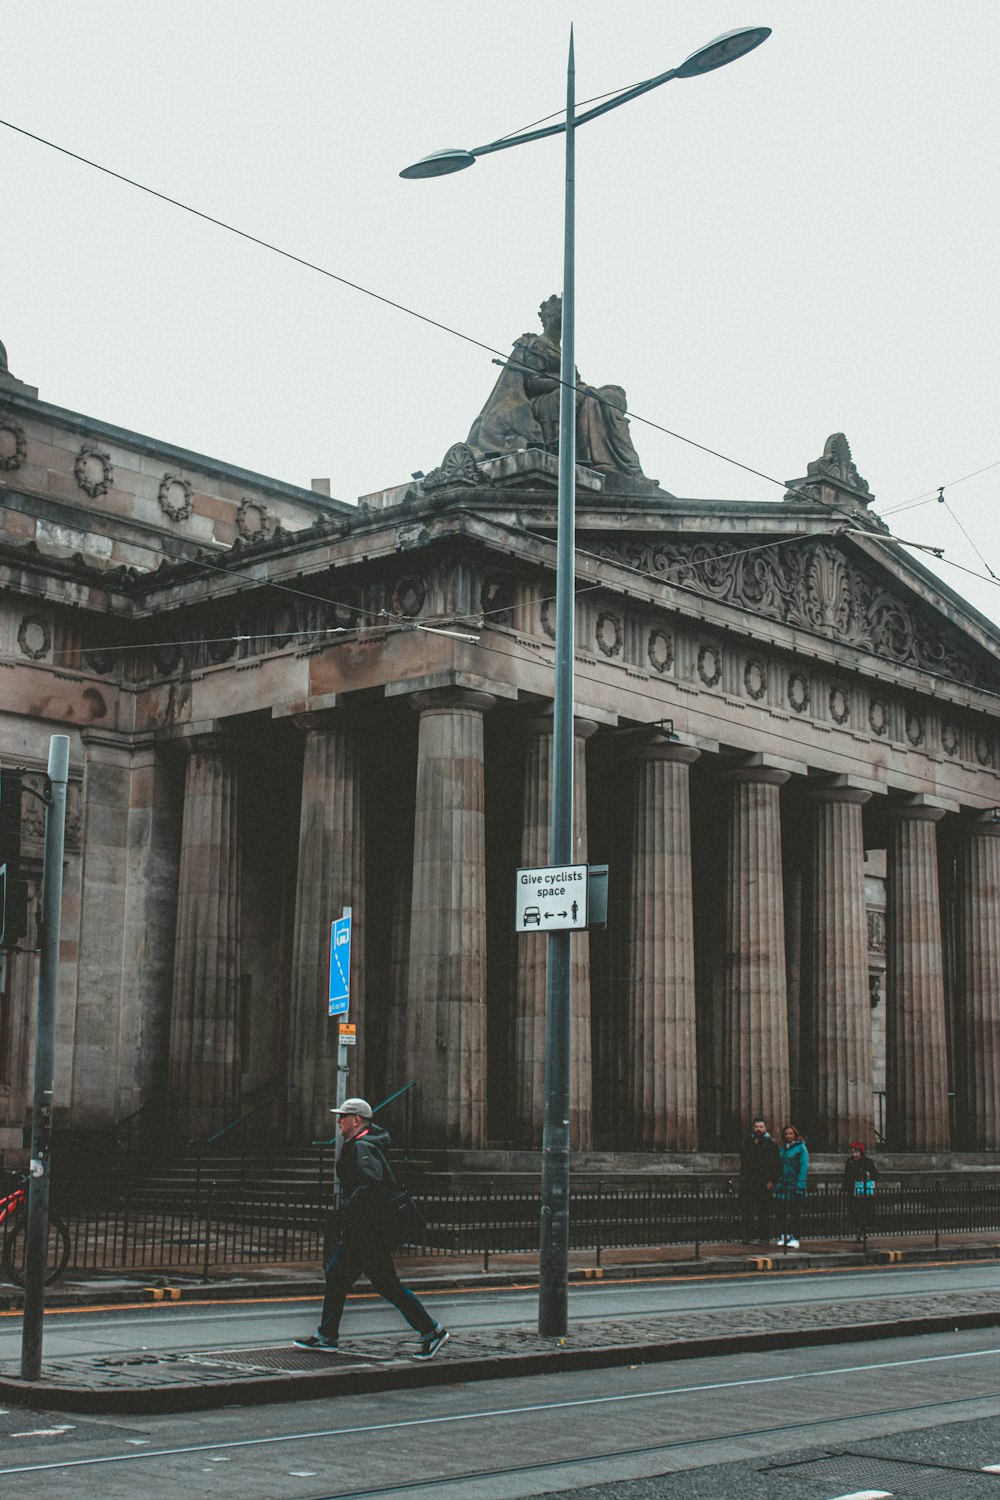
366, 1179
858, 1174
760, 1163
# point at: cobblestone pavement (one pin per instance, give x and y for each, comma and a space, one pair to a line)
171, 1381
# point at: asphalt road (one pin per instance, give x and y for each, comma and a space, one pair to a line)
809, 1424
256, 1322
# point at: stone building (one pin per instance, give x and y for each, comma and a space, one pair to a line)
787, 745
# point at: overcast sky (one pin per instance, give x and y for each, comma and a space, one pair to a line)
801, 243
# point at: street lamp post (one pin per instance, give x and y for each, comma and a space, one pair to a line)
554, 1235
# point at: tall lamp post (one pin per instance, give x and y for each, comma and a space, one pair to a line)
554, 1240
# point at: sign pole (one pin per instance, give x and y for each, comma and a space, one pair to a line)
45, 1032
340, 988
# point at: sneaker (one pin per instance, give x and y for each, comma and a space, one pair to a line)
317, 1341
431, 1343
791, 1244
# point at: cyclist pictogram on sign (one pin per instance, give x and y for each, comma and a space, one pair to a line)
340, 966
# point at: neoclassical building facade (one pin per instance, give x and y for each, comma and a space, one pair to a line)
279, 704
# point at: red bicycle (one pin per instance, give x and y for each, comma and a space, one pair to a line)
14, 1229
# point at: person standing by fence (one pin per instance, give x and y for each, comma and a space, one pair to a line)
366, 1235
760, 1168
858, 1187
791, 1189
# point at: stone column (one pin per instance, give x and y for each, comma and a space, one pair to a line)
661, 985
446, 993
331, 875
204, 1068
755, 1040
842, 1103
532, 950
978, 989
127, 928
916, 1044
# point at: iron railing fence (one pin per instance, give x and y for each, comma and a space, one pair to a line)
220, 1227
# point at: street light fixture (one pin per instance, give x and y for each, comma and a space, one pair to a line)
554, 1238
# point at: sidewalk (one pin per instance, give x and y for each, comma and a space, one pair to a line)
151, 1382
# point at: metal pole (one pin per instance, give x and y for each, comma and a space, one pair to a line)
338, 1142
45, 1028
554, 1231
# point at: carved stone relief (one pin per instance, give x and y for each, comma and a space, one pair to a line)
548, 615
408, 596
876, 931
93, 471
176, 500
660, 651
814, 587
798, 692
496, 599
609, 634
837, 466
458, 468
840, 705
13, 444
878, 716
34, 637
755, 680
710, 665
984, 749
950, 739
915, 730
252, 520
33, 813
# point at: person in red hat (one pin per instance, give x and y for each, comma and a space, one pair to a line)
858, 1187
366, 1235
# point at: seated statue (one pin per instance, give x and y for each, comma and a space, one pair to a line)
523, 408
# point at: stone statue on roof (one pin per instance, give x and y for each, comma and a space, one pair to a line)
523, 408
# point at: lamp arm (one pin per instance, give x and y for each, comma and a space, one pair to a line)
590, 114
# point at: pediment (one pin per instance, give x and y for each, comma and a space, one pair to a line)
821, 586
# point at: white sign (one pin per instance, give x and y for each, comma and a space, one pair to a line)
551, 900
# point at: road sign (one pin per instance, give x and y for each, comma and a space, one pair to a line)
348, 1034
340, 966
551, 900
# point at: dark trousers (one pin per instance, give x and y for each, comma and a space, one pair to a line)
352, 1260
790, 1211
757, 1213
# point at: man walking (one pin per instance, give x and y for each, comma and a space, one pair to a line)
760, 1168
365, 1247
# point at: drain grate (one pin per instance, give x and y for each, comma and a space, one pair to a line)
291, 1361
850, 1474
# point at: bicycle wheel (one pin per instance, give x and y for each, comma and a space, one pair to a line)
56, 1254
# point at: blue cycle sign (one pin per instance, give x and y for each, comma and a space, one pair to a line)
340, 966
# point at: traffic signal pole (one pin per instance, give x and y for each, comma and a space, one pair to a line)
45, 1028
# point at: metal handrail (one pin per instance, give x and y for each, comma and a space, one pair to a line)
332, 1141
209, 1140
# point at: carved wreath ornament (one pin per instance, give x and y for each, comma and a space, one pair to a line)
13, 444
93, 471
176, 500
814, 587
609, 634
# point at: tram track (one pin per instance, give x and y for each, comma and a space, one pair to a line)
546, 1408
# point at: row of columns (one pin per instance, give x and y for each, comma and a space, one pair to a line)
438, 1022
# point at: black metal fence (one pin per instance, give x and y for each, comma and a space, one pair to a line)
217, 1228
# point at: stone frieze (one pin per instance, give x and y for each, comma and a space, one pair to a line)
815, 587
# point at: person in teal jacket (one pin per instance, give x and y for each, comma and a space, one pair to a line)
791, 1188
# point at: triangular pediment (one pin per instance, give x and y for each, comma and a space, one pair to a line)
830, 586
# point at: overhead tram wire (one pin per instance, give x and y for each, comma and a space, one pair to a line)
503, 356
466, 338
930, 495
